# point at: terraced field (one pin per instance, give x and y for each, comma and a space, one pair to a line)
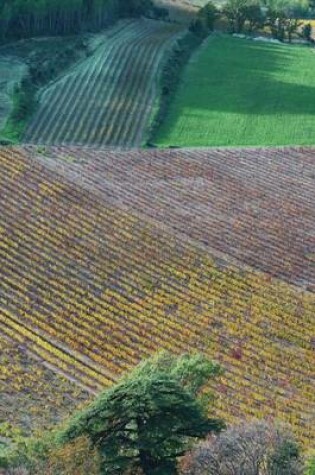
91, 282
107, 99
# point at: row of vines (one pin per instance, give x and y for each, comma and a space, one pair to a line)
256, 205
92, 289
108, 98
27, 400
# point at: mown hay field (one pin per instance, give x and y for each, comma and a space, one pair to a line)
238, 92
91, 282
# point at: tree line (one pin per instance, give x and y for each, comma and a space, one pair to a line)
26, 18
279, 18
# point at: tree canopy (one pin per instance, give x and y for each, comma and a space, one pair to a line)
258, 447
25, 18
146, 420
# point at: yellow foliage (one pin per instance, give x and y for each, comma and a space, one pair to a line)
92, 289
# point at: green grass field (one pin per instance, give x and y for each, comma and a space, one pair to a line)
239, 92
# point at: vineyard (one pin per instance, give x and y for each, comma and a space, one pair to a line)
27, 400
256, 205
92, 281
108, 98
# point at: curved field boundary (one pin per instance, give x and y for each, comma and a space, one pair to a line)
82, 274
106, 99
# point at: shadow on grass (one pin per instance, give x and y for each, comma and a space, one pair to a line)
244, 77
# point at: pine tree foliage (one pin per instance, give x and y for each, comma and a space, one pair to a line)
146, 420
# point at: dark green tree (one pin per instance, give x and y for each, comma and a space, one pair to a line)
235, 12
146, 421
306, 32
26, 18
283, 17
285, 460
254, 17
136, 7
292, 26
5, 17
209, 14
276, 20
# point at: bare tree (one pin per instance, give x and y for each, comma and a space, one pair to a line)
257, 448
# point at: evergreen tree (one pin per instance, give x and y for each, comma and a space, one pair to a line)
145, 421
209, 14
26, 18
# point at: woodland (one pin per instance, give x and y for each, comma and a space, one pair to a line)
27, 18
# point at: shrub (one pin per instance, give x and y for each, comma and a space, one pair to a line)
306, 32
310, 469
145, 421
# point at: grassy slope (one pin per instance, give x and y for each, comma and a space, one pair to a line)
12, 72
237, 92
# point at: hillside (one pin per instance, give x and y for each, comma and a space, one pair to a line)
183, 11
236, 92
12, 71
106, 99
84, 248
255, 205
27, 401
